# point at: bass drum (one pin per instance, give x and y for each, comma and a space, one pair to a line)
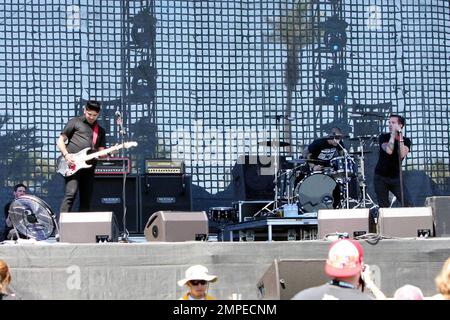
317, 191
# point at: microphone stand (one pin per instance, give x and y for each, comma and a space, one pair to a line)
122, 133
400, 171
346, 156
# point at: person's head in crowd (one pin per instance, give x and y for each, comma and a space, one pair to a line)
197, 279
443, 280
19, 190
345, 261
5, 277
345, 267
408, 292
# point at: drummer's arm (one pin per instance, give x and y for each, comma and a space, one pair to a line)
306, 154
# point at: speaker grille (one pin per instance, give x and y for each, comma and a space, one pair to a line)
107, 196
164, 193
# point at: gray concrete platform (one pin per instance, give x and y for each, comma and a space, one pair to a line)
150, 270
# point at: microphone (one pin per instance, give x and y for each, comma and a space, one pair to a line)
118, 114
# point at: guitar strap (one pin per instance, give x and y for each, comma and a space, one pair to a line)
95, 135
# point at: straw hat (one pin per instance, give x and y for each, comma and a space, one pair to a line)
197, 272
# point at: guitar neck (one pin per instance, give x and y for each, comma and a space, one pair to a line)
103, 152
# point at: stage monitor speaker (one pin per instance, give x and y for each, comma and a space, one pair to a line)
285, 277
164, 193
406, 222
87, 227
354, 222
253, 178
107, 196
440, 207
175, 226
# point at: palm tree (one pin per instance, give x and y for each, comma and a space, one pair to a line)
294, 30
16, 156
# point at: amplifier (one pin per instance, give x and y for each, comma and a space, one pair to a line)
158, 167
114, 165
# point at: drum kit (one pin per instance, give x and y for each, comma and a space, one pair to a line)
339, 184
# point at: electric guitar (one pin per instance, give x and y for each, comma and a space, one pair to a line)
80, 158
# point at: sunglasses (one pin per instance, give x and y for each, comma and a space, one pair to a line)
197, 282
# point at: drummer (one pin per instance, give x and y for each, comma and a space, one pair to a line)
324, 149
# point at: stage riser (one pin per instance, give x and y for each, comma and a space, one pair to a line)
151, 270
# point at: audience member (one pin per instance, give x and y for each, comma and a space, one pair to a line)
5, 280
443, 282
344, 266
408, 292
197, 279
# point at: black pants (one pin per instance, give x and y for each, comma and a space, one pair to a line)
382, 187
81, 182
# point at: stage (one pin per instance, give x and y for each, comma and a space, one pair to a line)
150, 270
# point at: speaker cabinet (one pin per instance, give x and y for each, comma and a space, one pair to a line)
174, 226
355, 222
164, 193
87, 227
107, 196
440, 206
285, 277
406, 222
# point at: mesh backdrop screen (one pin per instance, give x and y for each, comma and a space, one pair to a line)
223, 71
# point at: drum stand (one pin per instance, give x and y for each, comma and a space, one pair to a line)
265, 211
346, 180
365, 199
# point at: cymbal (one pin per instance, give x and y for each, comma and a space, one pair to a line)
270, 143
357, 138
317, 161
373, 114
297, 161
359, 152
337, 136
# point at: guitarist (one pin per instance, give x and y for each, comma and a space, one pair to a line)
80, 133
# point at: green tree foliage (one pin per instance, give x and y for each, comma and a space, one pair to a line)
17, 159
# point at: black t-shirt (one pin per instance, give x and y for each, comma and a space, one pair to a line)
6, 214
388, 164
6, 209
80, 134
320, 149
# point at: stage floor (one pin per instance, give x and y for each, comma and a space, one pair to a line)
150, 270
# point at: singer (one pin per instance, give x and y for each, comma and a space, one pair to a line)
80, 133
394, 147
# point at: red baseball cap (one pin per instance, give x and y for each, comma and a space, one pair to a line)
345, 258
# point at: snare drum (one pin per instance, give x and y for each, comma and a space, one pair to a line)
223, 214
339, 165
